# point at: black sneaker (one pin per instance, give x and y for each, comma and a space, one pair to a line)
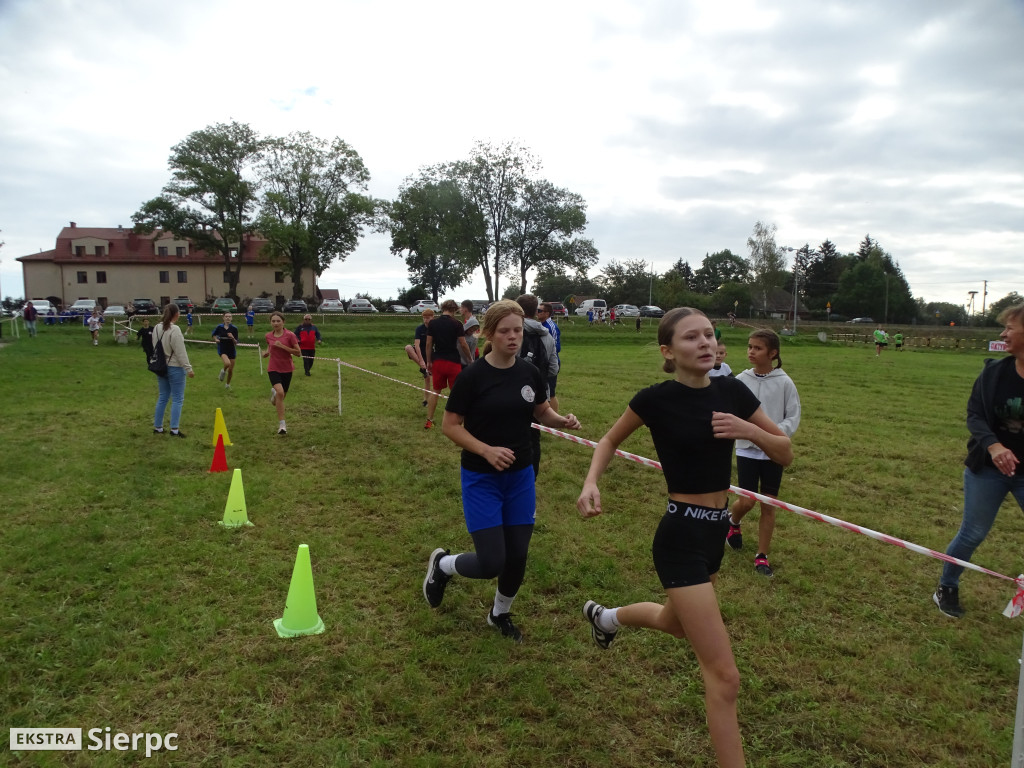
282, 431
592, 611
734, 537
157, 431
761, 565
179, 433
436, 579
503, 621
948, 600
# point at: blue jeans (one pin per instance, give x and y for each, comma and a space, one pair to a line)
172, 387
984, 492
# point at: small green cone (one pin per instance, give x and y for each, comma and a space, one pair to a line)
235, 514
300, 616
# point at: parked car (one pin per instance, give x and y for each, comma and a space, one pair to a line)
863, 320
83, 306
296, 305
145, 307
43, 306
649, 310
361, 305
558, 309
184, 303
332, 305
114, 310
224, 304
398, 309
422, 304
261, 305
626, 310
479, 306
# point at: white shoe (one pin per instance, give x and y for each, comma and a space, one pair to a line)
273, 396
220, 376
227, 386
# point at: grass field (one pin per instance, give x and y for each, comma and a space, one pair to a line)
126, 604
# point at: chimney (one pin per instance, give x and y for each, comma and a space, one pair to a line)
119, 228
73, 225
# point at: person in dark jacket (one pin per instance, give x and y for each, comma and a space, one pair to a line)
308, 336
993, 467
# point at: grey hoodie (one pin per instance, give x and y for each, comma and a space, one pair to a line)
547, 340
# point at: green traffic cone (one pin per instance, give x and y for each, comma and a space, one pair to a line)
300, 616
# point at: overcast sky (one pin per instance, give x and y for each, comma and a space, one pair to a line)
681, 123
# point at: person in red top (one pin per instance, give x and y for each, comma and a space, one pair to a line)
446, 346
281, 346
29, 314
308, 336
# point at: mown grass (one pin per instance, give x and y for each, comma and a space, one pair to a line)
127, 605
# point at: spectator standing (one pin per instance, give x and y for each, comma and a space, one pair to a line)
250, 319
29, 314
308, 336
145, 337
188, 321
539, 348
544, 314
417, 351
994, 466
172, 386
472, 328
721, 367
445, 348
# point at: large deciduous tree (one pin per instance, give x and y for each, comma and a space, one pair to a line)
315, 203
542, 225
766, 262
211, 198
720, 268
439, 231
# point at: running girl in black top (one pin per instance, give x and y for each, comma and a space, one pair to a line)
694, 420
492, 405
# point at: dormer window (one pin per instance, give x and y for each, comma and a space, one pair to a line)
161, 250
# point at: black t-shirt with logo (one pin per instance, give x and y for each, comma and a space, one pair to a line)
445, 331
692, 459
497, 407
1009, 408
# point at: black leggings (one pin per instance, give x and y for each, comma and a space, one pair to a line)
500, 551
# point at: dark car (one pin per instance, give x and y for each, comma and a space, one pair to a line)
261, 305
145, 307
184, 303
861, 321
558, 309
295, 305
649, 310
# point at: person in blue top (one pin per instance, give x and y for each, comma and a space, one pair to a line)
188, 320
226, 335
250, 318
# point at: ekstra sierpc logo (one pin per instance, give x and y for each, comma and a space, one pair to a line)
70, 739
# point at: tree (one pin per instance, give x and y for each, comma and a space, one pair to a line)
683, 272
867, 246
821, 278
211, 197
492, 179
315, 205
1009, 300
439, 231
876, 288
542, 224
553, 284
721, 268
627, 282
766, 262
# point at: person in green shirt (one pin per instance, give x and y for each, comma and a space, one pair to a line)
898, 338
881, 340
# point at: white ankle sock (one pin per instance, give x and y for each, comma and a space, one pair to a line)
447, 565
609, 620
502, 604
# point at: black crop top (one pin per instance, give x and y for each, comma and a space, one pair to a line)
679, 418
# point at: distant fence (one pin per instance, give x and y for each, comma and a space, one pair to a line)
932, 342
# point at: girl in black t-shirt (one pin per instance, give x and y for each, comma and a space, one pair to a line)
493, 403
694, 420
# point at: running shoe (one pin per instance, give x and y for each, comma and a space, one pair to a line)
179, 433
282, 431
436, 579
761, 565
734, 537
429, 424
593, 611
948, 600
222, 374
503, 621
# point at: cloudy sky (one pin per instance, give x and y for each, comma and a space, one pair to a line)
681, 123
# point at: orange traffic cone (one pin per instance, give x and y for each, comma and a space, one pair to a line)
220, 461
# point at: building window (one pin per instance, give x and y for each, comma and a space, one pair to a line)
161, 250
101, 277
182, 276
165, 276
79, 250
101, 250
279, 277
83, 277
180, 250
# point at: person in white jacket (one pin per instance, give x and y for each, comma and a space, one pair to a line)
754, 470
172, 386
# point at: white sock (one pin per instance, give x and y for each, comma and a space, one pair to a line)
281, 425
502, 604
447, 565
731, 521
608, 620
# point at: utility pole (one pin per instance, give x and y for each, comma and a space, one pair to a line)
984, 293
